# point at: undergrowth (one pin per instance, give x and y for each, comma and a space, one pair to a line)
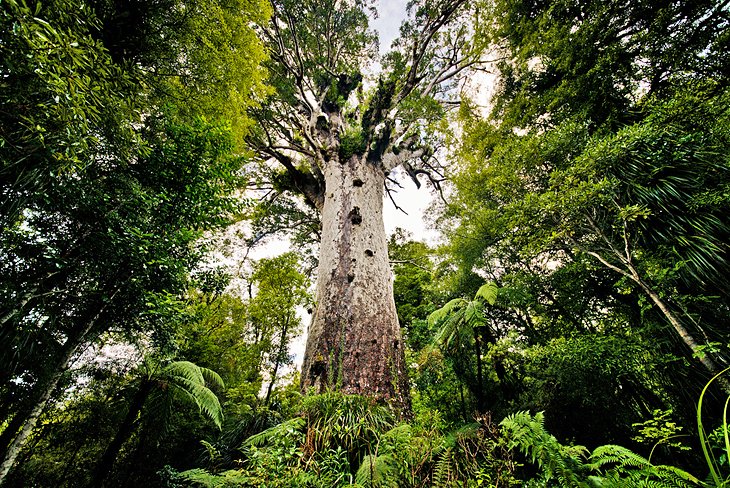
351, 441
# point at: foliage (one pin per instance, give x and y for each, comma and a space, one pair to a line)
592, 199
517, 452
660, 430
707, 451
183, 379
110, 176
594, 187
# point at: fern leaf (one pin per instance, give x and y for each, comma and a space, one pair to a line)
212, 378
442, 470
443, 312
283, 429
488, 292
377, 471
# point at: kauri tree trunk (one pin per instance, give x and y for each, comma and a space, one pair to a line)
354, 343
335, 142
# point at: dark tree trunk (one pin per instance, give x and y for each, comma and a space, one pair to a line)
126, 428
481, 400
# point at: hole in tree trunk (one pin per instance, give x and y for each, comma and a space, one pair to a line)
355, 216
357, 182
317, 369
369, 253
350, 278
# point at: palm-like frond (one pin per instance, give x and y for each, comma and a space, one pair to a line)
439, 315
488, 292
292, 427
460, 316
450, 328
188, 380
212, 378
669, 171
378, 472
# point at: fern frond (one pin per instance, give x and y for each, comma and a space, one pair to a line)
442, 471
277, 432
488, 292
443, 312
528, 434
474, 314
453, 326
212, 378
202, 396
631, 469
612, 454
184, 369
227, 479
380, 472
466, 431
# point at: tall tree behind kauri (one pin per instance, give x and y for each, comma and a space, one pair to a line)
337, 144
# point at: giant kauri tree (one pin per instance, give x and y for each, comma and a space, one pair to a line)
334, 141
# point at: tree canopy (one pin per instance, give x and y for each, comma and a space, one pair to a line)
567, 330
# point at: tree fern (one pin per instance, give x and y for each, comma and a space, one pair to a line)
378, 472
439, 315
189, 380
458, 318
488, 292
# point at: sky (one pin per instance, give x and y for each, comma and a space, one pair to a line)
412, 200
390, 15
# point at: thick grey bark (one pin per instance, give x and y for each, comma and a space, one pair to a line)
354, 343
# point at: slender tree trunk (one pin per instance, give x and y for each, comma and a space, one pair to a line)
126, 428
481, 401
684, 334
277, 363
354, 342
463, 403
6, 438
29, 418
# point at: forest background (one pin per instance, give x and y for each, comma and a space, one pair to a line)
580, 292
